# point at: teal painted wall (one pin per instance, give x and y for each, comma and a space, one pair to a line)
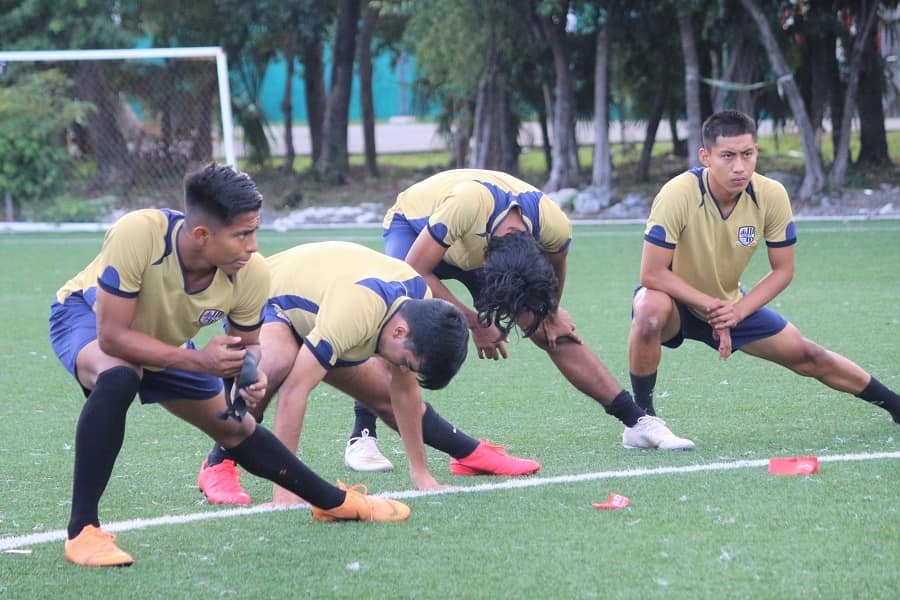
392, 96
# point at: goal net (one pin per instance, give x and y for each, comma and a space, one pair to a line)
145, 117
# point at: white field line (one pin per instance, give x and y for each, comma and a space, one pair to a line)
59, 535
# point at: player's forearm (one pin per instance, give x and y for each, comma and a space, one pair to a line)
289, 413
139, 348
766, 290
408, 408
439, 290
664, 280
558, 261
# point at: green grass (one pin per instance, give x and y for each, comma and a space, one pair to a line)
715, 533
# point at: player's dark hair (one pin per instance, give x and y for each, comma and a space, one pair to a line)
221, 193
439, 336
517, 278
726, 123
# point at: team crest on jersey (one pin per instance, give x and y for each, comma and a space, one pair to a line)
210, 316
746, 235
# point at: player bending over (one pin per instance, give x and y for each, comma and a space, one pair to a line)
123, 327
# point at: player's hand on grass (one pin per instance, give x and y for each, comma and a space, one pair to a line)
426, 481
283, 498
489, 342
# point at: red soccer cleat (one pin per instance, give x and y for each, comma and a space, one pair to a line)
221, 483
488, 459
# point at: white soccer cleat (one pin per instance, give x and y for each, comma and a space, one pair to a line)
651, 432
362, 454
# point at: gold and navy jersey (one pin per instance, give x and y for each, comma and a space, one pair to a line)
711, 250
139, 259
339, 295
462, 207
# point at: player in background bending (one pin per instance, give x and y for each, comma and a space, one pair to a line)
123, 327
507, 243
366, 324
704, 226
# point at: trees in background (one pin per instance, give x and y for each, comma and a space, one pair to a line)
489, 66
36, 161
79, 24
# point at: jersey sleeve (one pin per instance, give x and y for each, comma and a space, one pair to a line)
779, 229
129, 247
252, 288
346, 319
668, 216
556, 229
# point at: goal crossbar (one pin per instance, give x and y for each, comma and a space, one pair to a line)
213, 52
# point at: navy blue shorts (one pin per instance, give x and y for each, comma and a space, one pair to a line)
399, 238
73, 325
763, 323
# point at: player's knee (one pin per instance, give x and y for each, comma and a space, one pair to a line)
119, 383
648, 322
812, 360
651, 310
231, 432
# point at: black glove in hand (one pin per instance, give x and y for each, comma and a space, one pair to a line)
247, 376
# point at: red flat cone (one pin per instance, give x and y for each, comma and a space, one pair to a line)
794, 465
615, 501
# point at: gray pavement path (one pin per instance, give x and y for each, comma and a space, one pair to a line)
407, 134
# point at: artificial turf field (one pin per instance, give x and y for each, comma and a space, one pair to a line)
712, 523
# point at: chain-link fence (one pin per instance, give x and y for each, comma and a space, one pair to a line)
81, 135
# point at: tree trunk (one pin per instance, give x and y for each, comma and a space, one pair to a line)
814, 175
601, 174
868, 15
334, 164
107, 144
287, 109
509, 124
819, 57
873, 147
838, 92
370, 21
564, 172
544, 113
460, 134
314, 84
653, 119
483, 122
496, 125
739, 70
691, 84
203, 147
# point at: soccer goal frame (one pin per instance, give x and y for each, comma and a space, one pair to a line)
209, 52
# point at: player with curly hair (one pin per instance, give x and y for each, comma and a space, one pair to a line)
507, 243
366, 324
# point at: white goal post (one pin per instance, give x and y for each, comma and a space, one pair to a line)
209, 52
